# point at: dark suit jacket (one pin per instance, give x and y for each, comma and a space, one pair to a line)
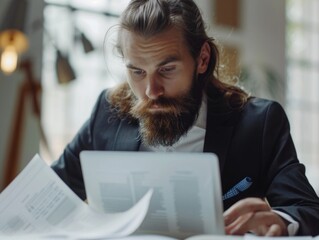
254, 142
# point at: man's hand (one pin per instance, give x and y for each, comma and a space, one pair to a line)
253, 215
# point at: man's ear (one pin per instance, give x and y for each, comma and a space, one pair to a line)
203, 58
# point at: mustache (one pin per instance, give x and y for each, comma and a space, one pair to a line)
175, 106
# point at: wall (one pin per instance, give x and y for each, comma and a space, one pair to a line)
260, 38
9, 86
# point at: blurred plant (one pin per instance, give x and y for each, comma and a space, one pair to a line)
262, 81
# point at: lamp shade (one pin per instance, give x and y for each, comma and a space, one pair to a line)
12, 26
87, 45
65, 72
14, 38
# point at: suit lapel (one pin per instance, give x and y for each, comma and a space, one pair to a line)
219, 128
217, 140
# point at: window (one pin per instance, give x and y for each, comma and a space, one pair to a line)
303, 81
65, 107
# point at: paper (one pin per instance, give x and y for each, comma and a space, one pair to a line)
254, 237
187, 194
216, 237
37, 204
145, 237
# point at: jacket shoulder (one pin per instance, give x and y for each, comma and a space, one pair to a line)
260, 106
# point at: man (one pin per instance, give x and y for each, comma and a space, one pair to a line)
173, 100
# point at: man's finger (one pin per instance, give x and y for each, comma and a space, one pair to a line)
274, 230
238, 227
243, 207
259, 223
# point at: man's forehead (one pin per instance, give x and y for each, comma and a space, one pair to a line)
167, 46
131, 39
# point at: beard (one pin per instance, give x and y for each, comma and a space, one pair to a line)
177, 115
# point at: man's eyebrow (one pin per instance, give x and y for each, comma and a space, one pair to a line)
131, 66
169, 59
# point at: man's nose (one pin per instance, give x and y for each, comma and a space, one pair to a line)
154, 88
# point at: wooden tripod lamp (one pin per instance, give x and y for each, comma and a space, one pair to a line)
29, 88
13, 42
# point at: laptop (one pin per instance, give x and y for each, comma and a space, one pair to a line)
186, 187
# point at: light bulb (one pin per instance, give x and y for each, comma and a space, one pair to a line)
9, 60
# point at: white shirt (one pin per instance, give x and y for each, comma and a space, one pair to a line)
194, 140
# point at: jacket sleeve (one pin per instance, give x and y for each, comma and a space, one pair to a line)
288, 189
68, 166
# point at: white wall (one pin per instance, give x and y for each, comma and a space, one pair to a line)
9, 86
260, 39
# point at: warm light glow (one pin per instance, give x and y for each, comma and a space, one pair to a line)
13, 42
9, 60
14, 38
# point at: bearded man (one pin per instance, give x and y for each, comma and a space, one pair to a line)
174, 100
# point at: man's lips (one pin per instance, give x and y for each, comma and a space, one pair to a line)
157, 108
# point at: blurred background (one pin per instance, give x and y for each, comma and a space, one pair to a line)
54, 64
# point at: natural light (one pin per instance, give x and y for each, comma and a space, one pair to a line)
67, 106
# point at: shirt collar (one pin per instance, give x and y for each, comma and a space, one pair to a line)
201, 120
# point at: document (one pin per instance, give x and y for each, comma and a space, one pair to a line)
254, 237
250, 237
38, 204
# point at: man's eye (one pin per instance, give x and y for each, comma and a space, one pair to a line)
167, 69
138, 72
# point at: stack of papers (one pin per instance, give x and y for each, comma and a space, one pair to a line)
38, 205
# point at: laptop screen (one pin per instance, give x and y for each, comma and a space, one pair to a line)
186, 187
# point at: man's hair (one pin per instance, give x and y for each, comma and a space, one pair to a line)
151, 17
